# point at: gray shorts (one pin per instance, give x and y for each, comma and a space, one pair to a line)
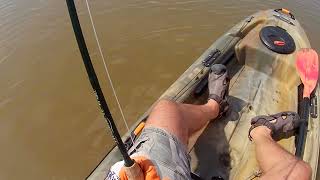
165, 151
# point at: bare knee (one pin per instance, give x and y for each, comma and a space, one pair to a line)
298, 170
165, 107
301, 171
308, 170
165, 104
166, 115
165, 111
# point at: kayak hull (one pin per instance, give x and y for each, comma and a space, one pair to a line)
263, 82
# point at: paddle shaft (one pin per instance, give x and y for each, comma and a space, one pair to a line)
304, 116
95, 82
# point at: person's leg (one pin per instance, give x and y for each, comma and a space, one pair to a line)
274, 161
182, 120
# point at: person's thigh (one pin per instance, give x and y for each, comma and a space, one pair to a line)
166, 152
168, 116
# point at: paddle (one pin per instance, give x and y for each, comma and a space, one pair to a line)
307, 65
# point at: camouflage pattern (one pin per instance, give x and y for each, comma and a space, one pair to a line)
263, 82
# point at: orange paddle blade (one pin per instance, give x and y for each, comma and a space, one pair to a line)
307, 65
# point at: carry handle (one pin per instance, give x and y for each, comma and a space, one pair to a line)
285, 11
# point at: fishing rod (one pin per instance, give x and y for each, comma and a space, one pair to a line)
128, 162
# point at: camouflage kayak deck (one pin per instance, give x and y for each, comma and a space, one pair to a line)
263, 82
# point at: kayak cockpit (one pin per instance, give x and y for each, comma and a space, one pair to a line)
265, 82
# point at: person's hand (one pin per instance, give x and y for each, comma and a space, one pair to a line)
148, 169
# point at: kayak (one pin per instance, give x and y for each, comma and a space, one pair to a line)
260, 54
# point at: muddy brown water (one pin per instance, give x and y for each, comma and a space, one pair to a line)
51, 126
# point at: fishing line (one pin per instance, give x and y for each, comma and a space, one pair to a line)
106, 69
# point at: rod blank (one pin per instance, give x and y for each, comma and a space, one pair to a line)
95, 82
